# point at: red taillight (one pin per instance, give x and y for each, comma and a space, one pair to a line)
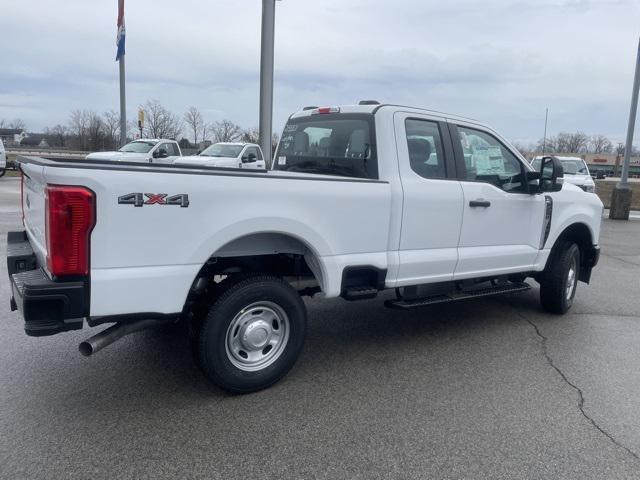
70, 217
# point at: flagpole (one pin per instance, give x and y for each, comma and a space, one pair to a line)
123, 105
120, 41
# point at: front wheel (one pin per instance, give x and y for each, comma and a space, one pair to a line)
559, 281
252, 335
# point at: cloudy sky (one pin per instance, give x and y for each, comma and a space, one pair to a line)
496, 60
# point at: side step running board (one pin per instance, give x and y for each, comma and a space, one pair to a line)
511, 287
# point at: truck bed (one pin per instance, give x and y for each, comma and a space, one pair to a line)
144, 258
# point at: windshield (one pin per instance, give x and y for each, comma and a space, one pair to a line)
218, 150
138, 147
570, 167
333, 144
574, 167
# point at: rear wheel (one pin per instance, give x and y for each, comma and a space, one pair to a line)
559, 281
2, 172
252, 335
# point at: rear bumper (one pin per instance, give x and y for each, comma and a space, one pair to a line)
47, 306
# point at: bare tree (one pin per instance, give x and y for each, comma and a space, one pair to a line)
522, 148
18, 124
206, 132
160, 122
600, 144
95, 132
57, 136
111, 127
550, 145
195, 122
251, 135
78, 128
572, 142
226, 131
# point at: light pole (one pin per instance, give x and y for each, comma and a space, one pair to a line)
619, 153
266, 77
621, 196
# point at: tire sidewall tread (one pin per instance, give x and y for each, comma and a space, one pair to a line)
211, 333
554, 279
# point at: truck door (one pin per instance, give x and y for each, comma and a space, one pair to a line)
501, 224
432, 200
252, 158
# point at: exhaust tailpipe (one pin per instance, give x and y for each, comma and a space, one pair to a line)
113, 333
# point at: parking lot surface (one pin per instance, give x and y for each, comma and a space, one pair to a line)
492, 388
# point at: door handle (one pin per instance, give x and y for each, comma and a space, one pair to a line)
480, 203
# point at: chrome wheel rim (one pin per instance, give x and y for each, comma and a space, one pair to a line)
571, 279
257, 336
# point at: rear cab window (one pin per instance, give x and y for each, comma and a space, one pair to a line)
329, 144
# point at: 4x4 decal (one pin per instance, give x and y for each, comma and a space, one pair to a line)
138, 199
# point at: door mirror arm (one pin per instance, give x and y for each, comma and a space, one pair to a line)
532, 180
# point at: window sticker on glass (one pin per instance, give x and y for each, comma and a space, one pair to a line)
495, 158
291, 128
282, 160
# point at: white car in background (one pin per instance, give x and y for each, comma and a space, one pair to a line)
575, 172
229, 155
151, 150
3, 159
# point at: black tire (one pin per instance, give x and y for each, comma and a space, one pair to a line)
2, 172
238, 301
555, 296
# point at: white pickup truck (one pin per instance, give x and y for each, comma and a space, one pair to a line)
227, 154
146, 150
360, 199
575, 170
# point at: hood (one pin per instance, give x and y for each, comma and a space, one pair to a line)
118, 156
207, 161
578, 179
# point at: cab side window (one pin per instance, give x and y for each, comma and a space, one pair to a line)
487, 160
426, 155
169, 148
172, 149
253, 151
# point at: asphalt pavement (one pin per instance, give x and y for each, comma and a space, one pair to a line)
487, 388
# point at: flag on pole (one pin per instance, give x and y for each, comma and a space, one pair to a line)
121, 31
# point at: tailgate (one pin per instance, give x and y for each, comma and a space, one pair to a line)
33, 206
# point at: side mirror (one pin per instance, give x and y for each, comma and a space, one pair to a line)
551, 174
249, 158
